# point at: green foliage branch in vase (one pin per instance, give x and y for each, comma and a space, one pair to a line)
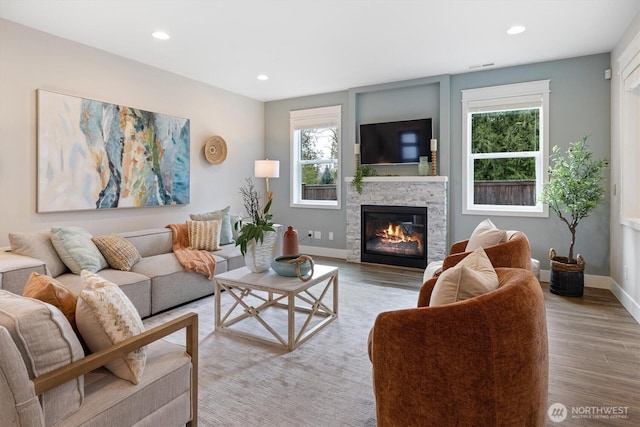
575, 186
361, 172
258, 221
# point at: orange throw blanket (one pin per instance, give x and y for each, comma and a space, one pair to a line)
191, 259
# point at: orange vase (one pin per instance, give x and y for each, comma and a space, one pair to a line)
290, 242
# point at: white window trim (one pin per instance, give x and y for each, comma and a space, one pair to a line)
314, 117
512, 96
629, 62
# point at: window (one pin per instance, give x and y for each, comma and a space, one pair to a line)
315, 166
505, 149
630, 134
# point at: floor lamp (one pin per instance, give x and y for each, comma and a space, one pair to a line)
267, 169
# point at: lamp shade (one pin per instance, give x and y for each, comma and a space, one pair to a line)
267, 169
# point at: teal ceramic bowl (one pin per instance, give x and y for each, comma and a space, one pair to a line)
281, 266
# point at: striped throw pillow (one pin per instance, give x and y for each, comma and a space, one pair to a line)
204, 235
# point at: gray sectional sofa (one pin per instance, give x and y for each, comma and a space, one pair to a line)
156, 283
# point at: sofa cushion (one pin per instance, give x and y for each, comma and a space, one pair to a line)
150, 242
471, 277
160, 399
204, 235
118, 251
76, 249
51, 291
224, 215
37, 244
105, 316
46, 342
485, 234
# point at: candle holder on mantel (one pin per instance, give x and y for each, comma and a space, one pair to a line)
434, 158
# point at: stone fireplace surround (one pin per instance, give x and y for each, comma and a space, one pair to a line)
429, 191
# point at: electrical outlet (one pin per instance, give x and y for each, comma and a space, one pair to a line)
317, 235
310, 234
331, 235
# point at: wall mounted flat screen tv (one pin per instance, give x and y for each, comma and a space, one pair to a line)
395, 142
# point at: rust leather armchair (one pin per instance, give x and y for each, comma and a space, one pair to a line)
515, 252
478, 362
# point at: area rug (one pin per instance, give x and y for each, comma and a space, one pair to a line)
324, 382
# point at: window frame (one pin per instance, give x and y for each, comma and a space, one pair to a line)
510, 97
314, 118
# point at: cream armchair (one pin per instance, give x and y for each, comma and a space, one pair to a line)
166, 395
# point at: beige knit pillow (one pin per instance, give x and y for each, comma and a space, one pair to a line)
204, 235
105, 316
485, 234
118, 251
471, 277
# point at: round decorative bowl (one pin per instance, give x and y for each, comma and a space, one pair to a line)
286, 266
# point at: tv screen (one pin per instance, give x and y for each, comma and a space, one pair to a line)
395, 142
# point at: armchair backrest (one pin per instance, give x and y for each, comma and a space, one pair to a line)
513, 253
19, 405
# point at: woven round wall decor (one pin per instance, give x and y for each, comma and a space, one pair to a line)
215, 150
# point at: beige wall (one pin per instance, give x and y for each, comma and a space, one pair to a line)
31, 60
625, 240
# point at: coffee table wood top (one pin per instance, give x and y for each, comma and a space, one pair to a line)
270, 281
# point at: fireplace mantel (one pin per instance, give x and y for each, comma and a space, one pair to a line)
401, 179
429, 191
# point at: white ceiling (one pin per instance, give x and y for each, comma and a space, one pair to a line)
317, 46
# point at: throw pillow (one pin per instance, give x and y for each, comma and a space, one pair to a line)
76, 249
224, 215
471, 277
38, 245
105, 316
486, 234
46, 342
118, 251
204, 235
49, 290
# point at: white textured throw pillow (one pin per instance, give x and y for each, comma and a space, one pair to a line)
486, 234
471, 277
105, 316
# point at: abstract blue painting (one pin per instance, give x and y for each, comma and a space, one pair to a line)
96, 155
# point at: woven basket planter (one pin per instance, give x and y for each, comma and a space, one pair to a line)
259, 255
565, 278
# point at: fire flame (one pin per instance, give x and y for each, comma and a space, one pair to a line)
393, 234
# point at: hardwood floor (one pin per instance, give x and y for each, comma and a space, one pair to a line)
594, 349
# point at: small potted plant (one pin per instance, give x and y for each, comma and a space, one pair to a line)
361, 172
256, 233
575, 188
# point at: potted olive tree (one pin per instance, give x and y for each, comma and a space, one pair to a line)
575, 188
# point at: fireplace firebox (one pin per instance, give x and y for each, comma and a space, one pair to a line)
394, 235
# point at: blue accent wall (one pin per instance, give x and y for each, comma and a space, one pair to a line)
579, 105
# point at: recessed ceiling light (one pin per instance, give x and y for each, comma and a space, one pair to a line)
160, 35
262, 77
516, 29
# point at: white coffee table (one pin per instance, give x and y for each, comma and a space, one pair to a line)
269, 289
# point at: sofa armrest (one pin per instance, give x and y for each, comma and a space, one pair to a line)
59, 376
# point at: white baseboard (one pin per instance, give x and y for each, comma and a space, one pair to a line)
320, 251
625, 299
590, 280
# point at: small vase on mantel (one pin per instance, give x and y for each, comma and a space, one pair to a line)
259, 255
